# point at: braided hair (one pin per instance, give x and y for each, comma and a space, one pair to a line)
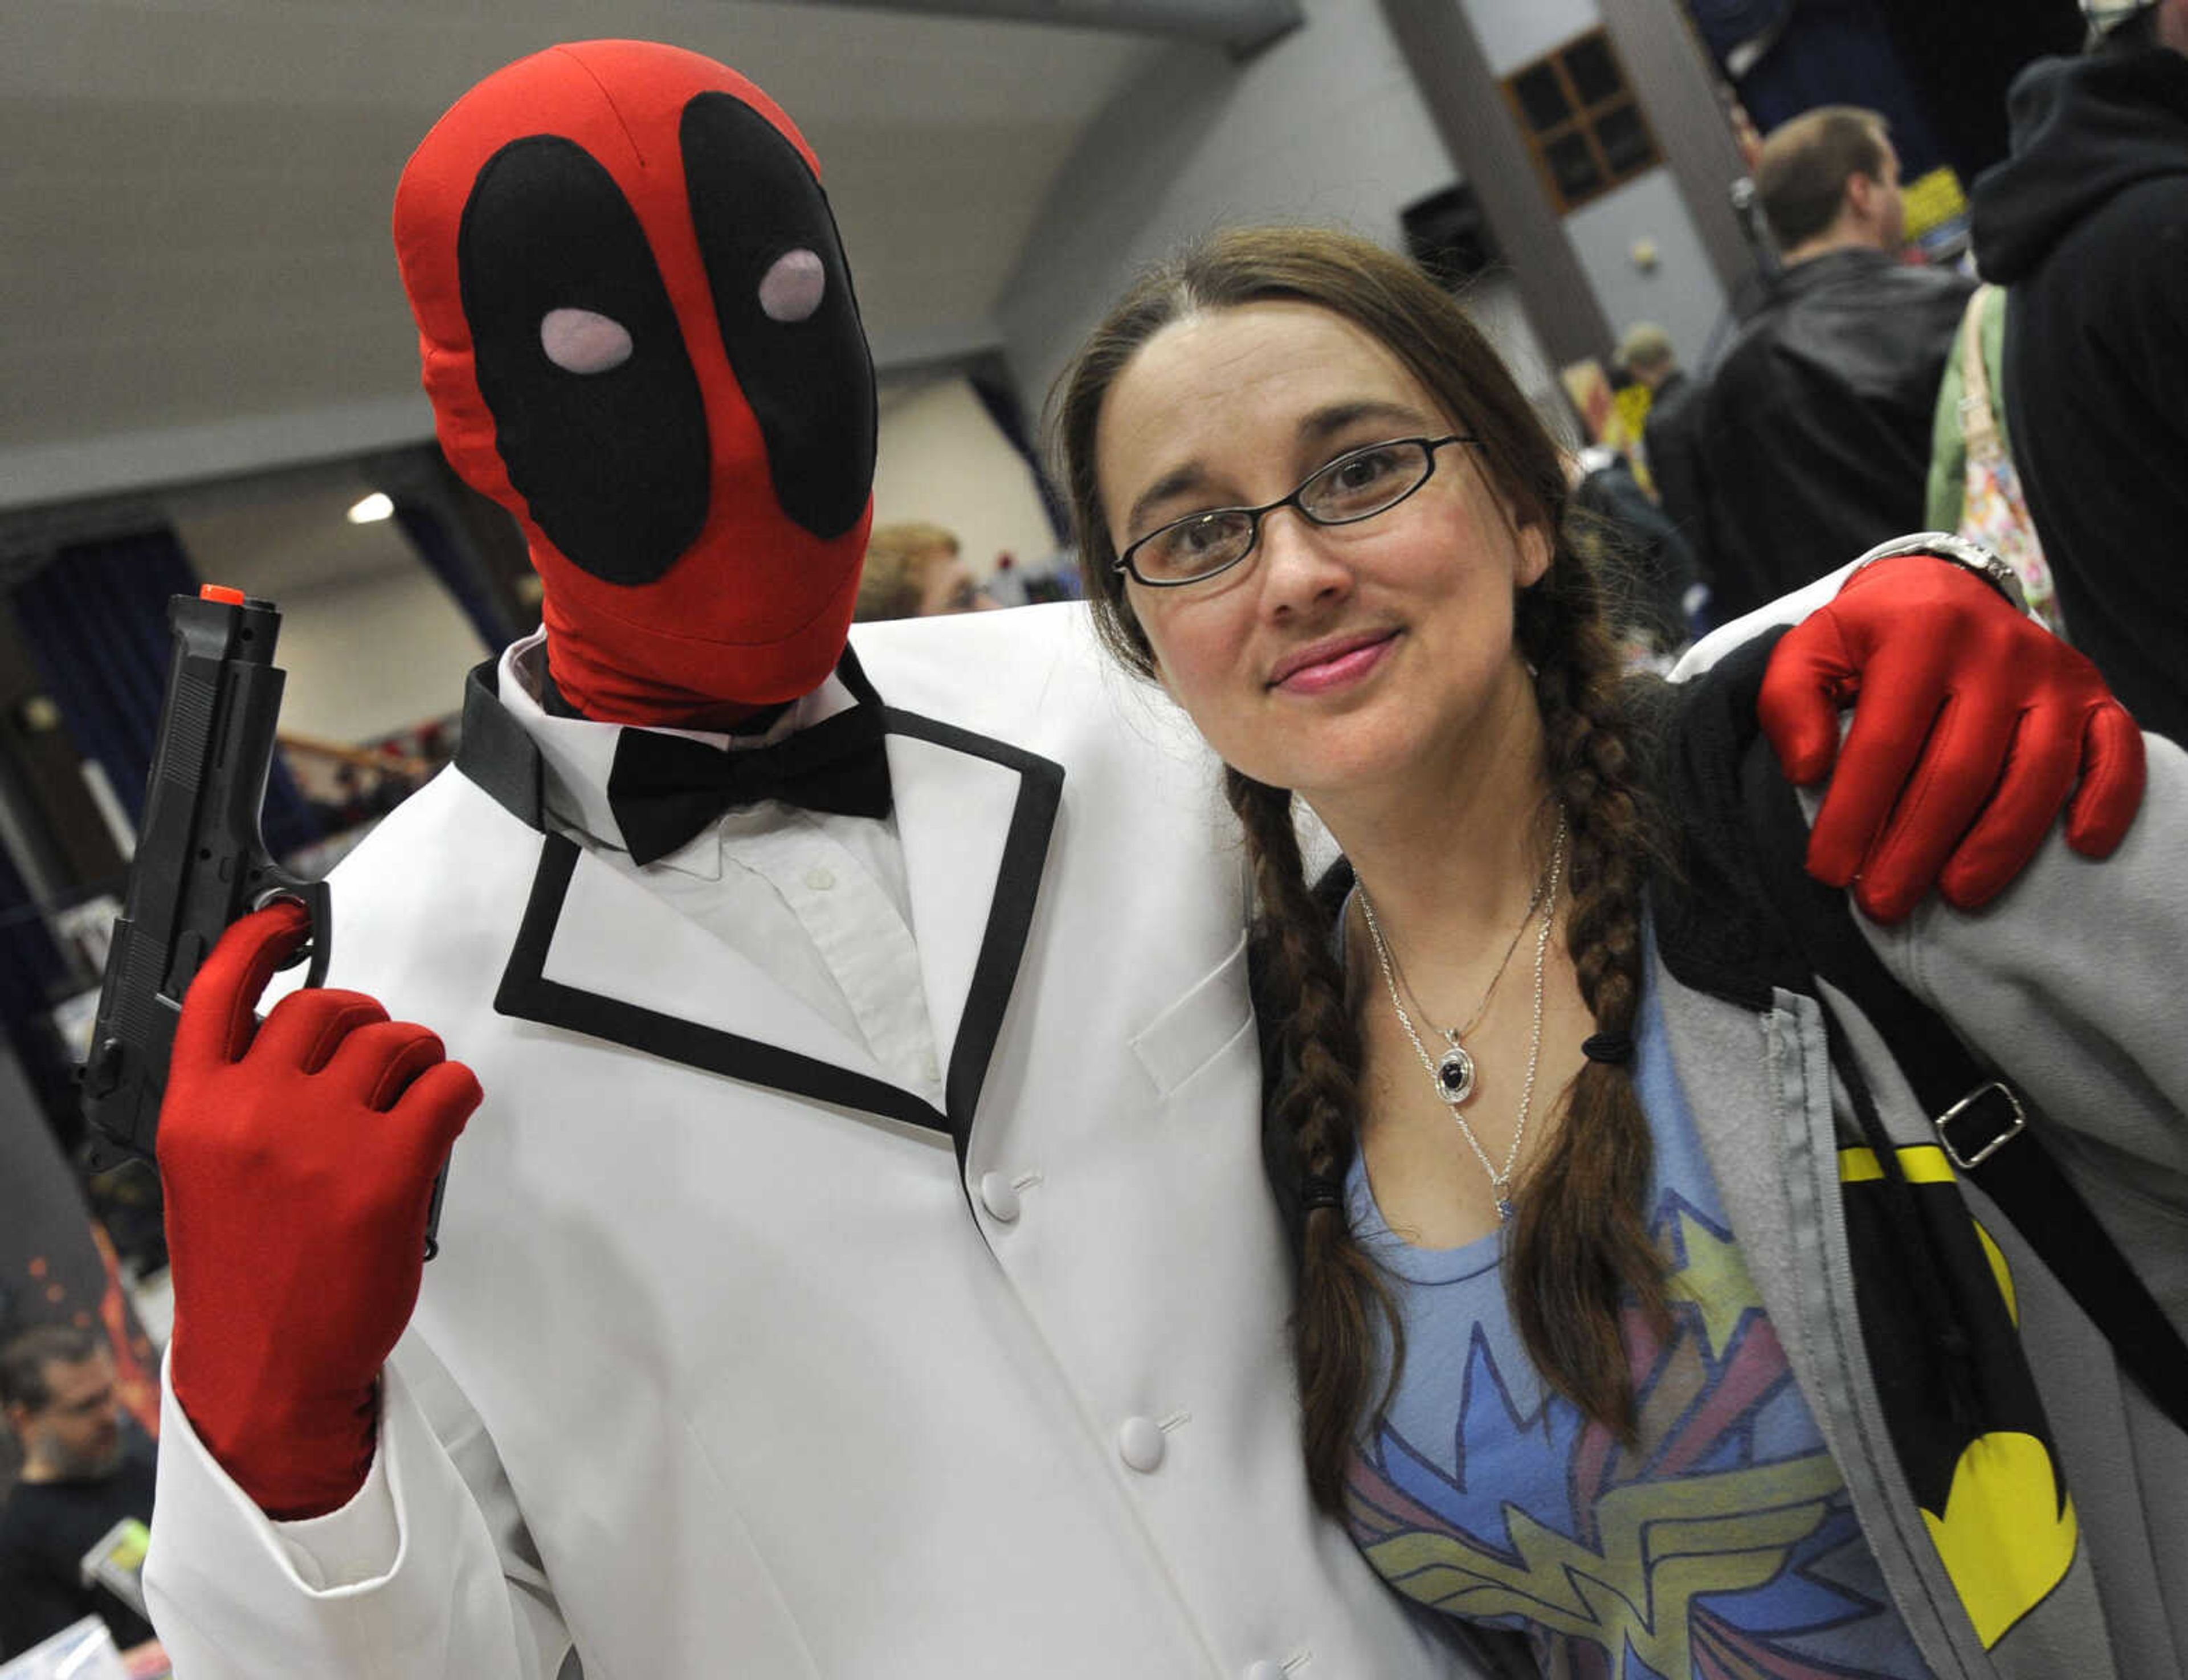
1579, 1251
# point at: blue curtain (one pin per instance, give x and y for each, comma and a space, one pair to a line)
1823, 52
95, 620
449, 560
33, 978
30, 966
1001, 404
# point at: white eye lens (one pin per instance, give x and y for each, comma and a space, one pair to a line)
792, 288
581, 342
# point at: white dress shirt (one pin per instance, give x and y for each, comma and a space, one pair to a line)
816, 900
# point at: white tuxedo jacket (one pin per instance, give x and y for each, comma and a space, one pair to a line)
739, 1359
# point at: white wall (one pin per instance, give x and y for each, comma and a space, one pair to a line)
1680, 292
1325, 126
1515, 32
941, 459
368, 657
1494, 304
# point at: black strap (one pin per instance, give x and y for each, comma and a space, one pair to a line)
1986, 1138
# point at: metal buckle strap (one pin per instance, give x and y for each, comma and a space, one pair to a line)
2009, 1123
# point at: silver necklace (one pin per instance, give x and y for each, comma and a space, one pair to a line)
1453, 1075
1455, 1067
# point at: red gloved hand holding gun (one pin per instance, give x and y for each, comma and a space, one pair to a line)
298, 1157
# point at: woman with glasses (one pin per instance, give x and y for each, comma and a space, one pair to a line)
1630, 1320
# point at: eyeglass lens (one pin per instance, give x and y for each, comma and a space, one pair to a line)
1355, 485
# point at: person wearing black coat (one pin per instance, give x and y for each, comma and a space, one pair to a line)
1817, 423
1647, 560
2086, 225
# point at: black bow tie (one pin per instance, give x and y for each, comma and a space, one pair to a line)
664, 789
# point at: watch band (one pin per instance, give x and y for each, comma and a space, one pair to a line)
1959, 551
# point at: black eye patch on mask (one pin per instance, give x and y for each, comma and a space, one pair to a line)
613, 464
804, 368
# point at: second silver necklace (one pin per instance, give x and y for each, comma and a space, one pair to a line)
1448, 1076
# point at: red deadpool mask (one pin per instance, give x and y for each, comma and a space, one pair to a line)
640, 337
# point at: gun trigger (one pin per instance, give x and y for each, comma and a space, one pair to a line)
319, 901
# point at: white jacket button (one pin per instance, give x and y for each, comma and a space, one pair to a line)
1140, 1443
999, 1197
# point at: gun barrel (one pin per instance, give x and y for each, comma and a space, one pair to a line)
200, 862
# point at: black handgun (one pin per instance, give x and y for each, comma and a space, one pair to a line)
201, 863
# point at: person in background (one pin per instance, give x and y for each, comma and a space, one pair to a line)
2086, 226
84, 1470
1575, 1158
1671, 436
1648, 566
1975, 488
914, 570
1816, 427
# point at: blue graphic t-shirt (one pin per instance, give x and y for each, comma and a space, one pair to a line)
1724, 1548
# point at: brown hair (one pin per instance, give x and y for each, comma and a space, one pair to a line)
25, 1359
895, 571
1801, 178
1646, 348
1580, 1243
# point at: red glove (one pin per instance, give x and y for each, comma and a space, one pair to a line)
1976, 720
298, 1158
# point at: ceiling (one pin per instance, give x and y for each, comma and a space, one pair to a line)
294, 539
196, 269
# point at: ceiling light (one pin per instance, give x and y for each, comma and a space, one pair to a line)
373, 506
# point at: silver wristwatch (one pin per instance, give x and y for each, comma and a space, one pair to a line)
1972, 556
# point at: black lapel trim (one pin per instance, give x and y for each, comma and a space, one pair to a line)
527, 995
494, 752
1010, 913
500, 757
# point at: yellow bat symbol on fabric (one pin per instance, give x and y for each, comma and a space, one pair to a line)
2004, 1538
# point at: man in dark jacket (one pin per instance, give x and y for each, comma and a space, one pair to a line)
84, 1470
2086, 225
1816, 428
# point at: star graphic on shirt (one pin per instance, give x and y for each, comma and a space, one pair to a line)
1715, 1279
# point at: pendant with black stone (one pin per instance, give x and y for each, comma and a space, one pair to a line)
1454, 1072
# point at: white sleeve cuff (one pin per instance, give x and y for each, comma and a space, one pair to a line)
357, 1545
1787, 609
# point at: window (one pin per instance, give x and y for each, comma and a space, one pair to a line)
1580, 120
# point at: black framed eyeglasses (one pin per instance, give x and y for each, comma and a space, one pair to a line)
1357, 485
